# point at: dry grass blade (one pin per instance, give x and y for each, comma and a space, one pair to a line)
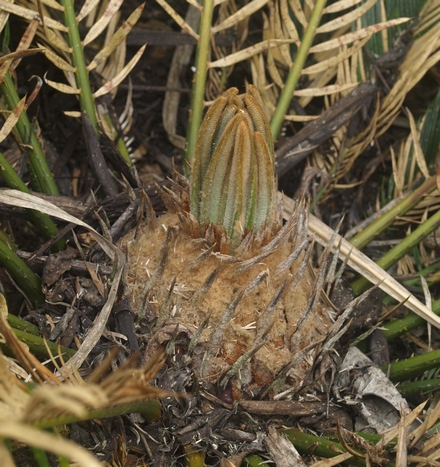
56, 40
423, 54
431, 419
53, 4
4, 16
333, 461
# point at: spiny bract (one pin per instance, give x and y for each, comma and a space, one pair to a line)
221, 268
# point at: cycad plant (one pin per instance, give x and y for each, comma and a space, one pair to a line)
223, 268
221, 281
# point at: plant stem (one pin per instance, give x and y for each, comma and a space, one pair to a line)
198, 91
255, 461
42, 178
411, 367
400, 250
419, 388
149, 409
86, 99
22, 274
400, 326
38, 348
295, 72
369, 233
47, 228
318, 446
194, 456
22, 325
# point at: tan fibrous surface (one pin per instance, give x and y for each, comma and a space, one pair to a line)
166, 252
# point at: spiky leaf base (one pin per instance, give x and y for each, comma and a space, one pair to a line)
255, 317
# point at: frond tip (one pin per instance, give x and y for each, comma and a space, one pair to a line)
233, 182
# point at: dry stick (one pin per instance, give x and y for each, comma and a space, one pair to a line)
298, 147
97, 159
363, 265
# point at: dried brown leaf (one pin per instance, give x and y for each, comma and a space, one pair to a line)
87, 7
177, 18
57, 60
113, 83
56, 40
418, 152
99, 26
326, 90
346, 20
62, 87
356, 35
340, 5
53, 4
12, 119
240, 15
247, 53
117, 38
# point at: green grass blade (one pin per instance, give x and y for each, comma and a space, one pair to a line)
430, 134
86, 99
375, 228
400, 326
198, 92
295, 72
44, 223
319, 446
411, 367
419, 388
400, 250
42, 178
27, 280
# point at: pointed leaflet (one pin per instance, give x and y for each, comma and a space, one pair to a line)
235, 215
202, 152
213, 195
12, 119
117, 38
86, 9
113, 83
259, 119
99, 26
266, 182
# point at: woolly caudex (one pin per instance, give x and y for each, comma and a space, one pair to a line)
221, 267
